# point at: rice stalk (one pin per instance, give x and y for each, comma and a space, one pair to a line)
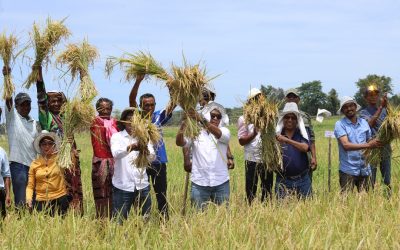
388, 131
140, 63
185, 87
78, 58
44, 41
77, 117
263, 113
8, 45
144, 131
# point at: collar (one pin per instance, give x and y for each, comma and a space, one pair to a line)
347, 120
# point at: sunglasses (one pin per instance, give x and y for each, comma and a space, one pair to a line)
216, 116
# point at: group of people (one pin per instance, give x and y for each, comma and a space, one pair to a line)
40, 184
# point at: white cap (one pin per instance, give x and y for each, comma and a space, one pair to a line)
253, 92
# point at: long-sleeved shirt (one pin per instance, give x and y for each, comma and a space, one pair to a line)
4, 167
46, 178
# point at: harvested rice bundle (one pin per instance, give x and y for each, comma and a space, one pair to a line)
44, 41
389, 131
185, 89
140, 63
8, 45
263, 113
144, 131
78, 58
77, 117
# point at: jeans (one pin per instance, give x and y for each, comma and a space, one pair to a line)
3, 211
123, 201
202, 194
253, 170
51, 207
385, 168
158, 175
19, 180
348, 182
300, 186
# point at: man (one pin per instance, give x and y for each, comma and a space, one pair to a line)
292, 95
375, 115
249, 137
50, 118
5, 186
158, 169
210, 176
21, 131
353, 135
130, 182
292, 134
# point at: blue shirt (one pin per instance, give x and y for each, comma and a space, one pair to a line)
159, 119
4, 167
294, 161
367, 114
353, 162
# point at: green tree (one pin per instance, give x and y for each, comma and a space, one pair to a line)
332, 101
395, 100
273, 92
116, 113
383, 83
312, 97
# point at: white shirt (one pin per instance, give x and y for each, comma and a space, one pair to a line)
252, 150
127, 176
209, 163
21, 134
4, 167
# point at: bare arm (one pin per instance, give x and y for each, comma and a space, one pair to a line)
303, 147
7, 71
7, 185
348, 146
134, 91
246, 139
180, 139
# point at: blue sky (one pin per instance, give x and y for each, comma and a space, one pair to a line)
283, 43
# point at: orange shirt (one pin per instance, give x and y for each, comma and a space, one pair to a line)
46, 178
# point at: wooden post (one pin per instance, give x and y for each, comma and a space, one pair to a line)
329, 163
183, 212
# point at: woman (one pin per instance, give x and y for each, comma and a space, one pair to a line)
103, 127
46, 178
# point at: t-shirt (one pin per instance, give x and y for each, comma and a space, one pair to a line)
159, 119
4, 167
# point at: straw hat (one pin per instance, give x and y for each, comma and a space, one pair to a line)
346, 100
46, 134
291, 108
206, 112
253, 92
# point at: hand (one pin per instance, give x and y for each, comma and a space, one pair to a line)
375, 143
140, 77
6, 70
40, 75
29, 203
194, 115
231, 164
255, 131
8, 200
187, 165
313, 163
282, 138
384, 101
133, 147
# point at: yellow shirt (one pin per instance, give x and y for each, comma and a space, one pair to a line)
46, 178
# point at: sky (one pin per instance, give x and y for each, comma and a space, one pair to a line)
281, 43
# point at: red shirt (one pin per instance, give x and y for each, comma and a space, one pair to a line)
100, 143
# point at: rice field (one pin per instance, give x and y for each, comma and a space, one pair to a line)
326, 221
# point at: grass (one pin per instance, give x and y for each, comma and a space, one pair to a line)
327, 221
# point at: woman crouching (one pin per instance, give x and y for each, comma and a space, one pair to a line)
46, 177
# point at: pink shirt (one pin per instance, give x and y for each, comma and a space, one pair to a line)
252, 150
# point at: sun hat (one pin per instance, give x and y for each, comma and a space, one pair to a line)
46, 134
291, 108
345, 100
206, 112
293, 91
253, 92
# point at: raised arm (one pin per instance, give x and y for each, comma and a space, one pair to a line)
9, 101
134, 91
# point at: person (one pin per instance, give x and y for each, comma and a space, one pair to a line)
50, 118
21, 132
292, 95
291, 133
103, 127
249, 137
5, 180
375, 115
46, 178
353, 135
209, 175
157, 172
130, 182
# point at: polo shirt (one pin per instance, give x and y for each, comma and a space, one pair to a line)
294, 161
353, 162
4, 167
160, 118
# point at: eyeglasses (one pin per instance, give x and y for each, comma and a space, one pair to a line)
216, 116
290, 117
47, 144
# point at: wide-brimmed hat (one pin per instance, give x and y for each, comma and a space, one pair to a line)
253, 93
293, 91
291, 108
206, 112
46, 134
346, 100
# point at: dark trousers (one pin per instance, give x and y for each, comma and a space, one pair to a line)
254, 171
51, 207
3, 211
348, 182
157, 174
